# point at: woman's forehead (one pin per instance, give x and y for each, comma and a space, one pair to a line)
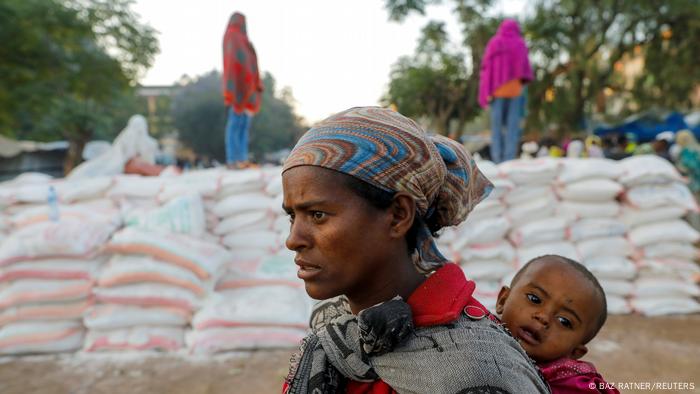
311, 182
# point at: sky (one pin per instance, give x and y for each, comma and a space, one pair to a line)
333, 54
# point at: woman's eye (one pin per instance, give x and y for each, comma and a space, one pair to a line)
565, 322
318, 215
533, 298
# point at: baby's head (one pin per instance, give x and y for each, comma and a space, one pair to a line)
554, 307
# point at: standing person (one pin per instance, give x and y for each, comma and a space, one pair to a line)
593, 147
505, 69
689, 159
242, 90
366, 190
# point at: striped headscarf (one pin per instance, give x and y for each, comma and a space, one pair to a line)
393, 153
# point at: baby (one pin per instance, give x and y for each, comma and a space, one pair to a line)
554, 307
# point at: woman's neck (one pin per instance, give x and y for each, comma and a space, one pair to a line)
402, 280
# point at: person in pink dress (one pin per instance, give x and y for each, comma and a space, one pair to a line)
554, 306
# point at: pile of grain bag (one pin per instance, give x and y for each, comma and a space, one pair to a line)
246, 214
258, 304
588, 191
641, 251
159, 273
479, 243
49, 259
47, 271
531, 207
654, 205
206, 184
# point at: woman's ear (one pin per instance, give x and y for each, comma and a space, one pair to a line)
502, 297
403, 213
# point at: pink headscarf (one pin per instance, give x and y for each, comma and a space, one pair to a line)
506, 59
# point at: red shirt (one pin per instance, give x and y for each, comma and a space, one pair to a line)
438, 300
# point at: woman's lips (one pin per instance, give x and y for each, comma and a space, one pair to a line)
307, 271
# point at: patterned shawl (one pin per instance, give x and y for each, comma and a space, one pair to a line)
468, 356
241, 79
392, 152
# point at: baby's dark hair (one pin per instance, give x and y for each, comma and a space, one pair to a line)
381, 199
586, 273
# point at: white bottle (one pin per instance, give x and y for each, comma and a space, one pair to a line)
52, 201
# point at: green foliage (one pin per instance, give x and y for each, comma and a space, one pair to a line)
67, 68
199, 115
578, 49
439, 82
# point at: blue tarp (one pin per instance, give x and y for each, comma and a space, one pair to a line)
646, 127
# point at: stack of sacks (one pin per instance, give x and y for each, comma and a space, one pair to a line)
246, 215
159, 274
588, 191
479, 243
655, 202
136, 191
256, 305
46, 274
25, 192
532, 204
76, 200
4, 225
205, 183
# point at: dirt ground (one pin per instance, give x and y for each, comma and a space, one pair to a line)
632, 350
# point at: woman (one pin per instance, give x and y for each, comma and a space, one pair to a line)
366, 191
689, 158
505, 70
242, 89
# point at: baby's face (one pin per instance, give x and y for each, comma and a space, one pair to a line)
550, 310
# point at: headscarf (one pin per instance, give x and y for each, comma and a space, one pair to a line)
393, 153
505, 59
241, 79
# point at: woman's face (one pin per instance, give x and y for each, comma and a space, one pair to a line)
340, 239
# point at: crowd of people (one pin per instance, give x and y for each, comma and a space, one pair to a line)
681, 149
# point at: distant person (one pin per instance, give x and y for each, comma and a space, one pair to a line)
662, 145
549, 148
689, 159
133, 151
574, 149
608, 145
505, 70
554, 307
529, 150
594, 147
242, 90
620, 148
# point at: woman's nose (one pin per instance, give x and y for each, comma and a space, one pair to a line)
297, 239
